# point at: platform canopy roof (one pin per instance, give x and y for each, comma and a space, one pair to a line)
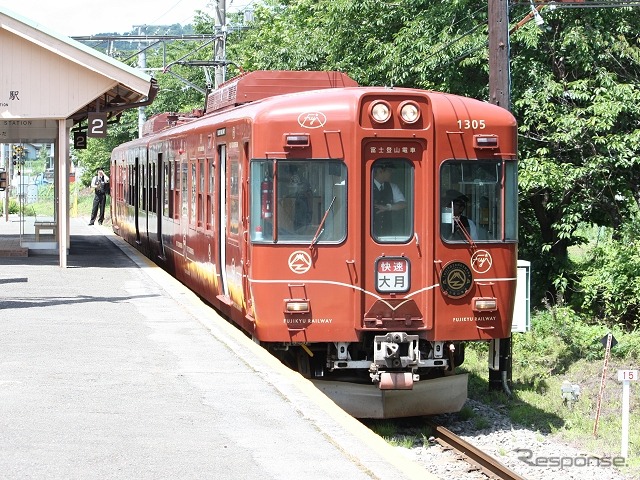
45, 75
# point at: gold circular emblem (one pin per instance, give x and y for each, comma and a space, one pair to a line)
456, 279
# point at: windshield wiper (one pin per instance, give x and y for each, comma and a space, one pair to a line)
464, 231
319, 230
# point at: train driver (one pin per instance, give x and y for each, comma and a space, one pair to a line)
387, 198
459, 202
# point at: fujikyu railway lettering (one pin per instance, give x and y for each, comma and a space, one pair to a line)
474, 319
307, 320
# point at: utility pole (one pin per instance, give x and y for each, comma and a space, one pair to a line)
499, 72
221, 38
142, 65
500, 94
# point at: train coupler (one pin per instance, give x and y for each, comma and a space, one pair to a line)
396, 350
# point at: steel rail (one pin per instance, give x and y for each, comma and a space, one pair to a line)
489, 465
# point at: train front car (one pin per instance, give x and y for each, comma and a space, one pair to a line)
382, 236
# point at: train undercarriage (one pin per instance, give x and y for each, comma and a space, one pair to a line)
386, 376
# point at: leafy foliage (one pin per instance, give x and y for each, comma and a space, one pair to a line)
611, 283
576, 100
408, 43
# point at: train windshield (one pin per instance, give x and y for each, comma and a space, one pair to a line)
297, 201
392, 201
478, 201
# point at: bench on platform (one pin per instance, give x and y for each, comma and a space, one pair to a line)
46, 224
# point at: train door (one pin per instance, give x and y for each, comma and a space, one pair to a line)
246, 251
161, 186
222, 226
233, 239
393, 226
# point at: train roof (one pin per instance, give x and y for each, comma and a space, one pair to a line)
250, 87
254, 88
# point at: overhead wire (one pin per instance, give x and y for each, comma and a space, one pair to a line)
174, 6
461, 37
468, 33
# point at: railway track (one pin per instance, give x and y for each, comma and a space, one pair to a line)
486, 463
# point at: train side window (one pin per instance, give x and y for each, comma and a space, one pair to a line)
511, 201
392, 200
140, 181
167, 191
130, 179
471, 200
261, 200
152, 186
302, 197
233, 204
175, 180
194, 186
184, 190
211, 194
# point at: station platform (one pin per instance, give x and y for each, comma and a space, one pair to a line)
110, 368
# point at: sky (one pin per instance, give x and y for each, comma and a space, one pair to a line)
88, 17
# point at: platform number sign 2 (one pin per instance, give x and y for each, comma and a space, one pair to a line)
80, 140
97, 125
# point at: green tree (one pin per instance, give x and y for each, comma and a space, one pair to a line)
576, 97
610, 284
176, 95
414, 43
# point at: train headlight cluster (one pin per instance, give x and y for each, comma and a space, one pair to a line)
380, 111
409, 112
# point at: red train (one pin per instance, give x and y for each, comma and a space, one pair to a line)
361, 234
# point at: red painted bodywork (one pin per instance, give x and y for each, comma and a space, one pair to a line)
344, 304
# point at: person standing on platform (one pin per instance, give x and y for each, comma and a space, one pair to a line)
100, 184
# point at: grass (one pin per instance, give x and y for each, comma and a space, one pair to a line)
537, 401
413, 434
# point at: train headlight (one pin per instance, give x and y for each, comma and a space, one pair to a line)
296, 306
485, 304
485, 141
296, 140
409, 112
380, 111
